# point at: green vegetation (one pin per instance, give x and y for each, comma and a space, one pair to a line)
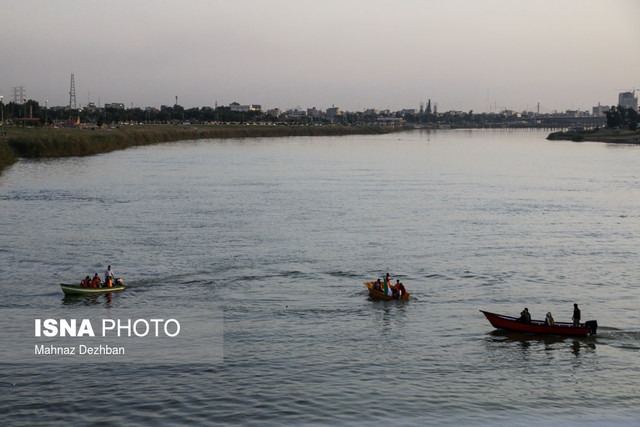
176, 114
621, 117
622, 128
7, 157
598, 135
66, 142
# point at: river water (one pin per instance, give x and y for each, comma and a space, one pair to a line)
274, 237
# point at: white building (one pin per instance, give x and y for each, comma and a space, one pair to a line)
234, 106
296, 113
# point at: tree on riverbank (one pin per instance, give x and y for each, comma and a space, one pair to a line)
176, 114
620, 117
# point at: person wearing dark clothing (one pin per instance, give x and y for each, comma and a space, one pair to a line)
525, 317
399, 287
576, 315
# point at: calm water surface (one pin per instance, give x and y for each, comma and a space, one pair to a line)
279, 234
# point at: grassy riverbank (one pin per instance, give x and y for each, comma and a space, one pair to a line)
599, 135
68, 142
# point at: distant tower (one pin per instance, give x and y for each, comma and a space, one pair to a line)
72, 94
421, 108
18, 94
428, 110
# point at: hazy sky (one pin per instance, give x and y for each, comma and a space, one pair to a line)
355, 54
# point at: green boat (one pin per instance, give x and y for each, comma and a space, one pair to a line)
81, 290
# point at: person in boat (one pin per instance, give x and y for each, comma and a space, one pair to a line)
525, 317
548, 320
95, 282
576, 315
399, 288
86, 282
387, 286
108, 277
377, 285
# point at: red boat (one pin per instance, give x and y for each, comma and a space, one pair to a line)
539, 327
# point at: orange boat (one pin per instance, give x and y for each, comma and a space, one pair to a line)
373, 293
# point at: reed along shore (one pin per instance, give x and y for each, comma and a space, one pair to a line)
18, 143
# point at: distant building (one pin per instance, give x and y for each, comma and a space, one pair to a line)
333, 112
628, 100
577, 113
390, 121
314, 112
599, 110
296, 113
428, 109
275, 112
234, 106
116, 105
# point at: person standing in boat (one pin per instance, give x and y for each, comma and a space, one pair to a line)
576, 315
108, 277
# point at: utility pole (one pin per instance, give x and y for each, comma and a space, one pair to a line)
2, 120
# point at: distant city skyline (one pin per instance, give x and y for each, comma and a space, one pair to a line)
355, 54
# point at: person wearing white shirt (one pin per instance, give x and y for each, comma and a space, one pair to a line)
108, 277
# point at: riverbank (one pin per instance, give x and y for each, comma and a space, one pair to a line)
598, 135
18, 143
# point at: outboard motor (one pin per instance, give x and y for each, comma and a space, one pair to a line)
592, 326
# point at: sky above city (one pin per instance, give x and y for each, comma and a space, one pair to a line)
481, 55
